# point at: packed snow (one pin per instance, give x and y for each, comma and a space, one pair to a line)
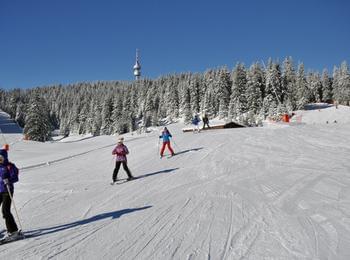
280, 192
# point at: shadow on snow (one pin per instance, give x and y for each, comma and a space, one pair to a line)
155, 173
58, 228
189, 150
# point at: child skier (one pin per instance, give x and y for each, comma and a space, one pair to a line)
195, 122
166, 142
7, 189
121, 151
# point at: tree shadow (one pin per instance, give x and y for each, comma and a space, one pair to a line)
58, 228
189, 150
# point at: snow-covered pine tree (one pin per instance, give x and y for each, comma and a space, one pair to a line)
344, 84
326, 87
172, 96
289, 84
255, 85
301, 88
194, 94
314, 84
97, 119
107, 108
37, 124
223, 86
117, 113
238, 99
186, 106
209, 99
149, 107
273, 90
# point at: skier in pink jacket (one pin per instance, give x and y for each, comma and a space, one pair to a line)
120, 151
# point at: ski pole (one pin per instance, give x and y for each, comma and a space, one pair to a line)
158, 146
14, 205
176, 145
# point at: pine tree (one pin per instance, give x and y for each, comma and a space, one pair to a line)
238, 99
301, 88
274, 91
314, 84
326, 87
289, 84
37, 124
344, 84
107, 109
223, 86
255, 85
186, 106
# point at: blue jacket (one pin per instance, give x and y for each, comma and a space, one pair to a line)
166, 136
195, 120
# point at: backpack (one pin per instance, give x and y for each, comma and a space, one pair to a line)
13, 171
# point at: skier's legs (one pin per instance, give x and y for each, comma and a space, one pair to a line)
6, 213
125, 166
116, 170
162, 149
170, 149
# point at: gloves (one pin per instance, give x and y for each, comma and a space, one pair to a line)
6, 181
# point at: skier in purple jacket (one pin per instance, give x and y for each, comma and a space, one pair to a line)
120, 151
5, 199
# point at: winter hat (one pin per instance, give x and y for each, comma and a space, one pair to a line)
6, 147
120, 140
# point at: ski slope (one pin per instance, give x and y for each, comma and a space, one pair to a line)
280, 192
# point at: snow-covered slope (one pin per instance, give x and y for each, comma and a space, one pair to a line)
252, 193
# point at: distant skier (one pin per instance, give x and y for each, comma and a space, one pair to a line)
120, 151
166, 142
7, 189
195, 122
205, 121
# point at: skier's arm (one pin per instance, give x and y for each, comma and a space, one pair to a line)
126, 151
5, 176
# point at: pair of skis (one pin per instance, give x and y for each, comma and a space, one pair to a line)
121, 181
21, 235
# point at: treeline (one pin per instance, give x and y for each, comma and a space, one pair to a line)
245, 95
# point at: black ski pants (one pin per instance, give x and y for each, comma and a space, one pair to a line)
5, 201
206, 123
116, 169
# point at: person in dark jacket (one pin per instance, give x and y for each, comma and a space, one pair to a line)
120, 151
6, 187
205, 121
166, 142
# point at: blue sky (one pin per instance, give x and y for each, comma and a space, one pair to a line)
45, 42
